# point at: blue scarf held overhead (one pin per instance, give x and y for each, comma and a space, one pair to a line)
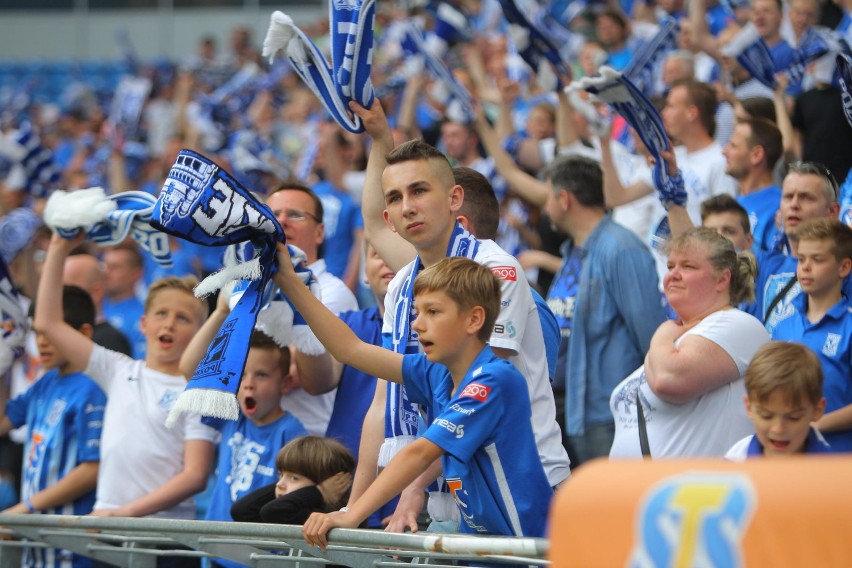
532, 43
753, 54
17, 228
401, 415
451, 93
34, 169
108, 219
204, 204
650, 55
844, 68
628, 101
347, 78
815, 42
13, 321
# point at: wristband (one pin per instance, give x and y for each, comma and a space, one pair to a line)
344, 509
29, 505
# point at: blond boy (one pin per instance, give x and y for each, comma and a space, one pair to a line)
146, 469
471, 392
784, 398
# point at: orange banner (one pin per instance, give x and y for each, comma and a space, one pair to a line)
786, 512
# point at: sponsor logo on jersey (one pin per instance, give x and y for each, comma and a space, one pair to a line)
457, 429
477, 391
507, 328
505, 273
462, 410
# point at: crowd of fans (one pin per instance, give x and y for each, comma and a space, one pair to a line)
652, 312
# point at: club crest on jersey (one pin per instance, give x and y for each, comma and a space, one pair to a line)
476, 390
832, 342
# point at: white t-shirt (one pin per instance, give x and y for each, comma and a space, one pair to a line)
314, 411
705, 426
138, 452
638, 215
518, 329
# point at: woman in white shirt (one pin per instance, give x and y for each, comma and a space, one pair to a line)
691, 385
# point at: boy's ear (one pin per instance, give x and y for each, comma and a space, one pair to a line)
819, 410
456, 197
288, 384
87, 329
476, 319
747, 405
845, 267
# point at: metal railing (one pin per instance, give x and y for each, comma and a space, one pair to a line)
137, 543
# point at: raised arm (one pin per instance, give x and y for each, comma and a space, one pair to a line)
524, 185
49, 319
391, 247
615, 193
201, 340
340, 341
372, 437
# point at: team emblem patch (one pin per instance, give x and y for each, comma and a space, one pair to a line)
832, 342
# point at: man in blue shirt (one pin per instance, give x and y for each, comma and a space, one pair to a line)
752, 152
606, 297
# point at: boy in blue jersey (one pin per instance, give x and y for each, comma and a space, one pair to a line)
822, 319
494, 472
64, 412
249, 445
784, 398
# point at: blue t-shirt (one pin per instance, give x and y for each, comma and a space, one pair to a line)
247, 459
774, 272
562, 298
341, 219
550, 330
355, 390
831, 339
64, 415
491, 464
761, 207
125, 316
354, 396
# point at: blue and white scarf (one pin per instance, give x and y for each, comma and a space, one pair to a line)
753, 54
39, 174
844, 68
127, 104
13, 321
401, 415
815, 43
650, 54
204, 204
17, 228
452, 94
347, 78
530, 41
108, 219
622, 95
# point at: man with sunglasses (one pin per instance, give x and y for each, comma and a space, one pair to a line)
809, 191
299, 211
